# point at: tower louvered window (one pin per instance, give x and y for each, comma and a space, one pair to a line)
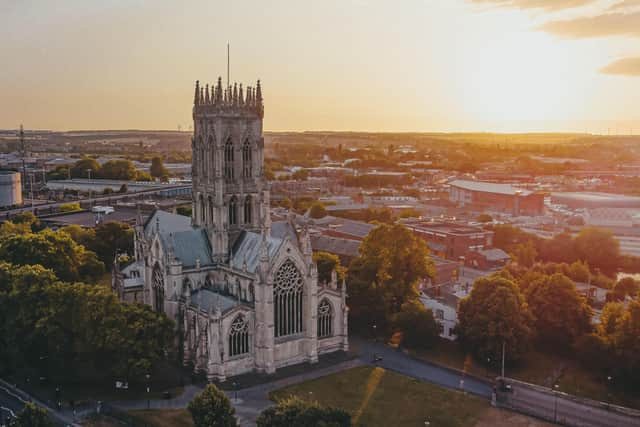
325, 319
228, 161
247, 210
233, 220
287, 296
246, 160
239, 336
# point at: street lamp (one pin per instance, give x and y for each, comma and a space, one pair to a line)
235, 391
488, 365
609, 382
148, 376
555, 405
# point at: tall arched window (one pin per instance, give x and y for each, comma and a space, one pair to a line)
228, 160
247, 210
325, 319
209, 219
239, 336
211, 149
287, 297
158, 289
246, 160
233, 220
201, 209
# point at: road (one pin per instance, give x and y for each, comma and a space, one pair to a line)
9, 404
401, 363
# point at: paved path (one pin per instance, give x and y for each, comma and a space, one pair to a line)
250, 401
253, 400
398, 361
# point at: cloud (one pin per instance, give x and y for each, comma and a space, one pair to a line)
624, 5
609, 24
548, 5
623, 67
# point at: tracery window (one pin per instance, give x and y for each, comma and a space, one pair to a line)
158, 289
325, 319
239, 336
228, 160
246, 160
247, 210
233, 220
287, 296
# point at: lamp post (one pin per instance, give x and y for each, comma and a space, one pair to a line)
148, 376
555, 404
488, 365
235, 392
609, 383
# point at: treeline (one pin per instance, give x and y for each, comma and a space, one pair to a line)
121, 169
56, 325
534, 309
597, 247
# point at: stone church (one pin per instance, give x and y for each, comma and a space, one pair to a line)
242, 289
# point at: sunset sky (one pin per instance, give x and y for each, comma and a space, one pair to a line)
401, 65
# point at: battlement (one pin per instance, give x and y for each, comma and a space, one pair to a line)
232, 99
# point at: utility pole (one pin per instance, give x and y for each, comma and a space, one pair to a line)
23, 153
503, 352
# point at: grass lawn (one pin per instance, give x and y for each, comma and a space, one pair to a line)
163, 418
376, 397
538, 367
155, 418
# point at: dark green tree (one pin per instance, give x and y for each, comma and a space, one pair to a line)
31, 416
418, 326
561, 314
326, 264
598, 248
303, 413
317, 210
118, 169
81, 167
495, 313
157, 168
112, 237
385, 275
212, 408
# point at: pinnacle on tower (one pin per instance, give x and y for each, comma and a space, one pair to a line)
206, 94
240, 96
219, 91
195, 96
258, 94
235, 94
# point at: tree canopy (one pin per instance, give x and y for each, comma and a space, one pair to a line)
302, 413
495, 312
386, 274
31, 416
157, 168
212, 408
326, 263
561, 314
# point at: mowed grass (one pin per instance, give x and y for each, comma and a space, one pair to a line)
376, 397
163, 418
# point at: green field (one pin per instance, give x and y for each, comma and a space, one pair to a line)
376, 397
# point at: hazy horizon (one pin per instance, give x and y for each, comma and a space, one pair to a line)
474, 66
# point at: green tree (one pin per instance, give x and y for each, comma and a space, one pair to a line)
81, 167
561, 314
579, 271
317, 210
27, 218
385, 275
143, 176
526, 254
123, 188
326, 264
31, 416
51, 249
495, 312
212, 408
83, 236
118, 169
184, 210
418, 326
69, 207
112, 237
598, 248
157, 168
626, 286
302, 413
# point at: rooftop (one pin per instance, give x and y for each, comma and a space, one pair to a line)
489, 187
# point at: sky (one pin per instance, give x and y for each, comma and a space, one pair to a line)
359, 65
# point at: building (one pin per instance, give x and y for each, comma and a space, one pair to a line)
10, 189
451, 240
243, 291
493, 197
487, 259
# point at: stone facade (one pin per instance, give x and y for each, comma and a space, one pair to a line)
243, 291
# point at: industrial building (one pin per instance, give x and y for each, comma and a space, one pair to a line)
10, 189
492, 197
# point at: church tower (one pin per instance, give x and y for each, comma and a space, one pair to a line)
230, 193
